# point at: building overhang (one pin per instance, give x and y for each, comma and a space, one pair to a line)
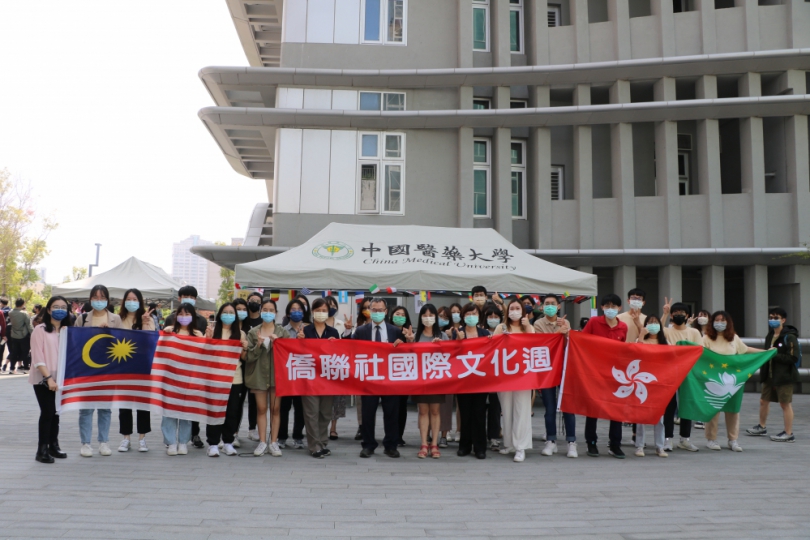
247, 135
258, 24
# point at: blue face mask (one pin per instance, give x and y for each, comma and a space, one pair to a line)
189, 301
774, 323
493, 322
528, 308
58, 314
456, 318
611, 313
242, 314
720, 326
332, 311
99, 305
228, 318
443, 323
269, 317
653, 328
296, 316
132, 305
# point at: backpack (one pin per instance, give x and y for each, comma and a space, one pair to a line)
798, 352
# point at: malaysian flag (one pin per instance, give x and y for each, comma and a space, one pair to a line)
178, 376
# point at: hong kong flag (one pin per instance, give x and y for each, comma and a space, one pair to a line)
626, 382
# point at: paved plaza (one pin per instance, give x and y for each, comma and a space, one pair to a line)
762, 493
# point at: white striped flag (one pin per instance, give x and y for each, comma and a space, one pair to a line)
374, 289
390, 290
359, 296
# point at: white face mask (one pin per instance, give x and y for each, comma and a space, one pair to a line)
636, 304
320, 316
429, 321
515, 315
703, 321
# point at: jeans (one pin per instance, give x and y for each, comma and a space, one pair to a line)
86, 425
175, 431
549, 397
658, 431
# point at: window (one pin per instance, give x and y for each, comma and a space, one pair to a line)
518, 180
481, 177
557, 183
481, 25
386, 101
381, 173
554, 18
683, 173
518, 104
480, 103
384, 21
516, 26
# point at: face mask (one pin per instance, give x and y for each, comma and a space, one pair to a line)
611, 313
636, 304
515, 315
58, 314
720, 326
443, 322
653, 328
132, 305
366, 313
399, 320
184, 320
480, 301
471, 320
242, 314
550, 310
456, 318
319, 316
679, 319
268, 316
774, 323
295, 316
332, 311
254, 307
493, 322
528, 308
377, 317
189, 301
228, 318
99, 305
428, 321
703, 321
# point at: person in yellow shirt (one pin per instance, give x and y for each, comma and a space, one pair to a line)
633, 317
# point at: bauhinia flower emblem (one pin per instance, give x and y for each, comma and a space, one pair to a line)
633, 379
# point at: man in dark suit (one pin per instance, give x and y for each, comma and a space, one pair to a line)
379, 330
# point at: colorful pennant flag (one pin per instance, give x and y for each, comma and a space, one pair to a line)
343, 297
391, 290
374, 289
305, 291
324, 294
359, 296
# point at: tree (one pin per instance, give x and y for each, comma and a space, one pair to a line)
77, 273
225, 293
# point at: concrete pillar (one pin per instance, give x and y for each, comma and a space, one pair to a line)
670, 283
619, 14
583, 309
501, 54
751, 14
752, 154
714, 288
579, 19
666, 26
539, 176
756, 301
583, 171
666, 164
708, 28
796, 27
708, 160
502, 182
465, 37
536, 34
624, 279
465, 177
621, 148
800, 275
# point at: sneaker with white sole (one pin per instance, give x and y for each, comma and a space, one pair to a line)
686, 444
282, 443
520, 455
660, 452
274, 450
236, 443
104, 449
639, 452
783, 437
86, 451
261, 449
229, 450
298, 444
734, 446
172, 450
757, 430
668, 445
253, 434
572, 450
494, 444
142, 446
182, 449
213, 451
124, 446
698, 425
505, 451
712, 445
549, 449
456, 436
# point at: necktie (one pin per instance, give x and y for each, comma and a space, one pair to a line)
378, 337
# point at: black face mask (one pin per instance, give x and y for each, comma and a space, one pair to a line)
679, 319
254, 307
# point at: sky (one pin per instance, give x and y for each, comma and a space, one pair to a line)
98, 112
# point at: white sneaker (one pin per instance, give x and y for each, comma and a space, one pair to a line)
520, 455
298, 444
712, 445
213, 451
124, 446
142, 446
236, 443
668, 445
572, 450
544, 438
229, 450
455, 437
660, 452
253, 434
686, 444
549, 448
261, 449
734, 446
87, 450
104, 449
639, 452
220, 445
182, 449
275, 451
172, 450
504, 451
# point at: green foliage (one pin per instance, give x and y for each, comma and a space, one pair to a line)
77, 273
225, 293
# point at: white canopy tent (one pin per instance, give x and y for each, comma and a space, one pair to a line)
413, 258
151, 280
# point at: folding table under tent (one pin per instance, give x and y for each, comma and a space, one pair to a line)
152, 281
412, 258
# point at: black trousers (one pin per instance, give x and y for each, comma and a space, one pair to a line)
403, 415
19, 350
473, 408
287, 403
390, 406
125, 421
614, 435
669, 422
493, 416
226, 430
195, 429
48, 419
253, 411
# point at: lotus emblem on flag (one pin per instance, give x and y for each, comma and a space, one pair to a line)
633, 379
720, 392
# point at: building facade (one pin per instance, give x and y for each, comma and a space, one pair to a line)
655, 143
190, 269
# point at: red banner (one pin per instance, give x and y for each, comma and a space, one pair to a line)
502, 363
626, 382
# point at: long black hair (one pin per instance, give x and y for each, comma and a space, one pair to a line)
188, 309
660, 336
103, 290
235, 327
46, 314
428, 309
304, 309
139, 313
407, 317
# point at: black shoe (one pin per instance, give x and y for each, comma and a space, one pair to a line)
359, 435
55, 451
615, 451
481, 455
326, 452
333, 436
593, 451
42, 454
366, 452
317, 455
392, 453
463, 452
401, 442
197, 442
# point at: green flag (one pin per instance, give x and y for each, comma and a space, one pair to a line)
716, 383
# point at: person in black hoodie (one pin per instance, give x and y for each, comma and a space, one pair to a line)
779, 374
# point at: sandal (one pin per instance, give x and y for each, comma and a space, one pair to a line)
434, 452
333, 436
423, 452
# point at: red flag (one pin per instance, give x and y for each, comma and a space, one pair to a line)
626, 382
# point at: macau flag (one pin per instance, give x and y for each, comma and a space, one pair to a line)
715, 383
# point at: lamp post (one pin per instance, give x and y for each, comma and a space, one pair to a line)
91, 266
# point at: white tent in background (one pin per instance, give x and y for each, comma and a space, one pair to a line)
152, 281
412, 258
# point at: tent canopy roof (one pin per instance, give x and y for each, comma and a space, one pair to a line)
411, 257
133, 273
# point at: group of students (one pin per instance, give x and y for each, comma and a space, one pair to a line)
481, 418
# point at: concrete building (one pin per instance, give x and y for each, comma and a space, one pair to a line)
658, 143
189, 269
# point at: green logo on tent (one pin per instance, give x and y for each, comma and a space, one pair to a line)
335, 251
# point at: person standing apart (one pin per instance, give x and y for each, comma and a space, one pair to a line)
19, 345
